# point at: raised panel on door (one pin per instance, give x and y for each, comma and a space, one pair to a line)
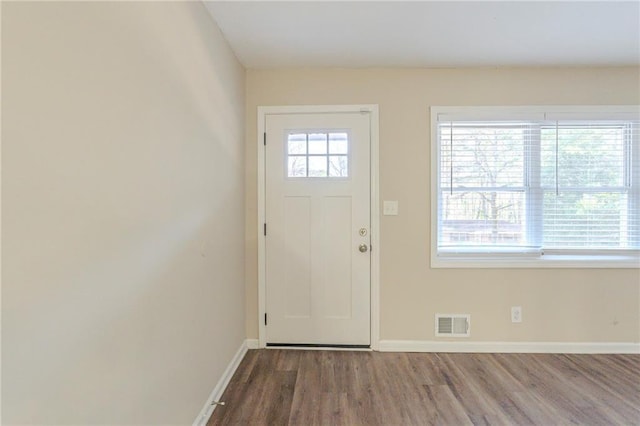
335, 301
297, 261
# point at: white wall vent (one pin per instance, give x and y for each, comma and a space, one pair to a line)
453, 325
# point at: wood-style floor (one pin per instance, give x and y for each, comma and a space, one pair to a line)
279, 387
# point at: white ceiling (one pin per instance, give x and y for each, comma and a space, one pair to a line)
269, 34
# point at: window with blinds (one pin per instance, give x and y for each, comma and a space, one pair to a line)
531, 183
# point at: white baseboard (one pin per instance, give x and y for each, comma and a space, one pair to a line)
509, 347
217, 391
253, 344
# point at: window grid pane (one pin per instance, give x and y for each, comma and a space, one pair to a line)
482, 218
338, 143
576, 219
585, 156
297, 144
297, 166
338, 166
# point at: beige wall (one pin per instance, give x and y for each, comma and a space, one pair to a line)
559, 305
123, 211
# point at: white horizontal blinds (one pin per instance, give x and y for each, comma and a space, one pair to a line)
523, 185
589, 197
482, 181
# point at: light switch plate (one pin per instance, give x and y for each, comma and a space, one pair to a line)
390, 208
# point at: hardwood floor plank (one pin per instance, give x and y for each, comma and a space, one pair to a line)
246, 366
480, 408
293, 387
448, 410
288, 360
307, 395
542, 384
612, 377
414, 404
597, 398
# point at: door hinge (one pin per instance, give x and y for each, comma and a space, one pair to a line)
264, 138
265, 230
265, 319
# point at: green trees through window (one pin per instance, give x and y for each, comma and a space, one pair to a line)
584, 173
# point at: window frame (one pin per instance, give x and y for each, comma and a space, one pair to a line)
526, 258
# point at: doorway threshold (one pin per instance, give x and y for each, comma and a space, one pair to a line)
318, 346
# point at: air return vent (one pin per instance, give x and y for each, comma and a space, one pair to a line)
452, 325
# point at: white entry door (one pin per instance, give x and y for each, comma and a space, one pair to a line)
317, 243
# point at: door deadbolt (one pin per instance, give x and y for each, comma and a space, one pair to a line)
363, 232
363, 248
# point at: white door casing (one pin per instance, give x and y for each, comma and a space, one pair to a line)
316, 269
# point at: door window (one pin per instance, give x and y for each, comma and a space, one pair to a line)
317, 154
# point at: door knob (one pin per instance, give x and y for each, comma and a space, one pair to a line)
363, 248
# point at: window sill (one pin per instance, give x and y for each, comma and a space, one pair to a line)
608, 261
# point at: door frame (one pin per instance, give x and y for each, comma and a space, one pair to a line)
372, 109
